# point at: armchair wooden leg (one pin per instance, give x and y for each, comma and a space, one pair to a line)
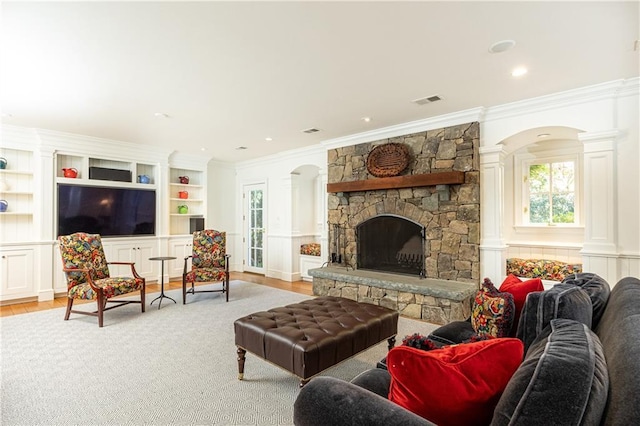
69, 305
142, 295
101, 304
184, 292
226, 285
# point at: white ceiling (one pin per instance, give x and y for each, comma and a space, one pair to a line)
231, 74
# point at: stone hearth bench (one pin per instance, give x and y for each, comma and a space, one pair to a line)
308, 337
434, 300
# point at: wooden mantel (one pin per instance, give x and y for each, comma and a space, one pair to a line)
396, 182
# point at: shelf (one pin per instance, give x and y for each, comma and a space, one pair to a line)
397, 182
186, 185
186, 215
187, 200
16, 192
109, 183
15, 172
16, 214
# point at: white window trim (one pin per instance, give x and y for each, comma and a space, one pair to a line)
521, 188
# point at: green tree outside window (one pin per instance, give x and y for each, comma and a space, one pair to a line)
552, 193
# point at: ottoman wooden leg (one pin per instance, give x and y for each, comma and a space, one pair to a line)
241, 357
392, 342
303, 382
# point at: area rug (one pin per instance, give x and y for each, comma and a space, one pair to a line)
174, 365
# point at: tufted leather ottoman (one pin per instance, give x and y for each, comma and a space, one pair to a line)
308, 337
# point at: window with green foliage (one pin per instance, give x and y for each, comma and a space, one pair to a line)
552, 193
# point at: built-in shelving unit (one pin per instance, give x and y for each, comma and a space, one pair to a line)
30, 266
17, 189
195, 201
83, 164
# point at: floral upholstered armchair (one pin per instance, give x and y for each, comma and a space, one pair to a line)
87, 273
209, 263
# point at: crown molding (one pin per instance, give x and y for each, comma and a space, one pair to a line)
609, 90
293, 154
181, 160
99, 147
631, 87
446, 120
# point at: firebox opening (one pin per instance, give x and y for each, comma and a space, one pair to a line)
391, 243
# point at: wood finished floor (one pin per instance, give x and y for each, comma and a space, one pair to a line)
302, 287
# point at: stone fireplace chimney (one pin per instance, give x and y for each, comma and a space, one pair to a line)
438, 192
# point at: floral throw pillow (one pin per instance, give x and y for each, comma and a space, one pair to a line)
492, 311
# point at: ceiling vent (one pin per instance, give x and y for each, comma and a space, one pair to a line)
311, 130
427, 100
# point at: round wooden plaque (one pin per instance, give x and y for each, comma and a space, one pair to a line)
388, 160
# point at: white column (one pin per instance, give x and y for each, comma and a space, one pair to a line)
322, 213
599, 251
492, 245
43, 221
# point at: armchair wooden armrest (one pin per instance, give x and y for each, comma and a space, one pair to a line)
132, 264
85, 271
184, 271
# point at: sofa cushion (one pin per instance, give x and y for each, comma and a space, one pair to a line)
331, 401
561, 301
458, 384
520, 290
492, 311
563, 379
453, 333
618, 332
597, 289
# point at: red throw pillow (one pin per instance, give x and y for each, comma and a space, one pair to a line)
519, 289
455, 385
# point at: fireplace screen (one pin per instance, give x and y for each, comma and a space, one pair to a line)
390, 243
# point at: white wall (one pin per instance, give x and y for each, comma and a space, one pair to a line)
608, 108
281, 233
607, 116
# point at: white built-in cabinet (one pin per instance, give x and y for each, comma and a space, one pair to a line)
179, 248
16, 273
30, 265
17, 255
17, 189
195, 194
137, 251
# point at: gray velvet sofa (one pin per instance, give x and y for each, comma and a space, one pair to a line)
581, 367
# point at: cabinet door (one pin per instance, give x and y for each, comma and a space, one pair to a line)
144, 266
132, 252
16, 274
179, 249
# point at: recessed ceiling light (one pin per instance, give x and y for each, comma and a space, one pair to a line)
544, 135
268, 139
366, 119
501, 46
203, 149
519, 72
240, 148
161, 115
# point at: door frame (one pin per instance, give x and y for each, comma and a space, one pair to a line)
245, 227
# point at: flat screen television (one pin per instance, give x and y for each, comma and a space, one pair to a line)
110, 212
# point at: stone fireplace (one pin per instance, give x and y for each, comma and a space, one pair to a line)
448, 213
437, 198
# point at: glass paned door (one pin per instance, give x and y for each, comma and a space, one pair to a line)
254, 226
